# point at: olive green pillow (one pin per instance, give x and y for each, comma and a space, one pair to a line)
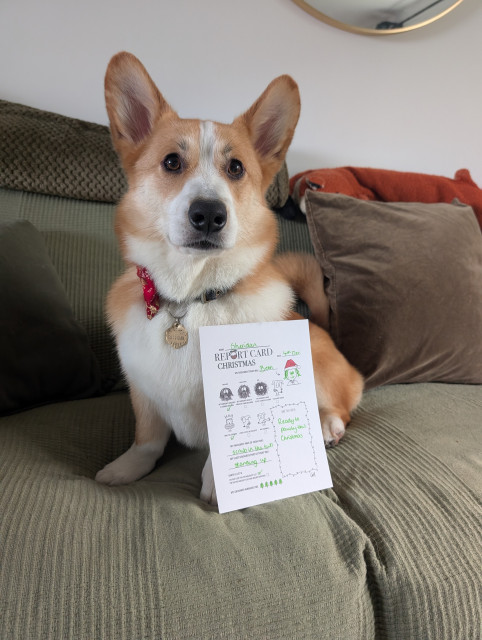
45, 353
404, 283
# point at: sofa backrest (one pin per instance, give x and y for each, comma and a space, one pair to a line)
63, 175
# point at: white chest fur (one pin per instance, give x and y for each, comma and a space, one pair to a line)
171, 378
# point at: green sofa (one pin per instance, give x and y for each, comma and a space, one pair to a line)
392, 551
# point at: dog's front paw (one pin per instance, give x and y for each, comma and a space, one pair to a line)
135, 463
333, 429
116, 473
208, 489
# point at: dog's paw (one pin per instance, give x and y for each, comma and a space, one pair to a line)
208, 489
116, 473
333, 429
135, 463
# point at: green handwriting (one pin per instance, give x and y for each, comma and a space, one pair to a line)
255, 449
244, 345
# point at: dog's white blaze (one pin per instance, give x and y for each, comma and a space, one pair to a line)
209, 182
207, 142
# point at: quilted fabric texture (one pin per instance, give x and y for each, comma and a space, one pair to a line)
43, 152
278, 191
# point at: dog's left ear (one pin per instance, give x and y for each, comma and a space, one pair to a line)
134, 103
271, 122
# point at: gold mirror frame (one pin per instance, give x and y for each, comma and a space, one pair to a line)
372, 32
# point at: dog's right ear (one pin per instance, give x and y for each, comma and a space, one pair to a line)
134, 103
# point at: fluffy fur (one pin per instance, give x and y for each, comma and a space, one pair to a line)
172, 165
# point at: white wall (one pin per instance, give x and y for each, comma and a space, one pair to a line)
408, 102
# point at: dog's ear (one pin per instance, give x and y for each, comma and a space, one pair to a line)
271, 123
134, 103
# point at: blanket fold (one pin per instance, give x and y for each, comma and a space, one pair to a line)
387, 185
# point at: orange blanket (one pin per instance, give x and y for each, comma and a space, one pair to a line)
390, 186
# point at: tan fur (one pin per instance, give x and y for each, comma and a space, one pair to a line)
339, 386
305, 275
155, 231
122, 295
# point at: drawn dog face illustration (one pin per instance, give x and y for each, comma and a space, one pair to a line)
226, 394
261, 389
243, 391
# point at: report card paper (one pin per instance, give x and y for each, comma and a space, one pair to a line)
262, 415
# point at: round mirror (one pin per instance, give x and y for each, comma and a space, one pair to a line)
378, 17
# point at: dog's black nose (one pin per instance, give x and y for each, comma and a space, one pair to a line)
208, 216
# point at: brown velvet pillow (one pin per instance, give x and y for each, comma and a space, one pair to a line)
404, 283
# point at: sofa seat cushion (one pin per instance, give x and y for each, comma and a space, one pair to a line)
150, 560
408, 473
390, 552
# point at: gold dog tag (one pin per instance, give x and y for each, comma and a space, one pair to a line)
176, 336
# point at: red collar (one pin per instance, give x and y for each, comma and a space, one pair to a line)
153, 299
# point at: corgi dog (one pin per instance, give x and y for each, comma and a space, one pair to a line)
199, 240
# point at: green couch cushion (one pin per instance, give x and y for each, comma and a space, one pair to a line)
45, 353
79, 236
391, 552
150, 560
294, 234
408, 472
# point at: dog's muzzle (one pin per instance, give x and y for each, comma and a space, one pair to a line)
208, 218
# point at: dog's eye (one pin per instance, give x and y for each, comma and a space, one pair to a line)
172, 162
235, 168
